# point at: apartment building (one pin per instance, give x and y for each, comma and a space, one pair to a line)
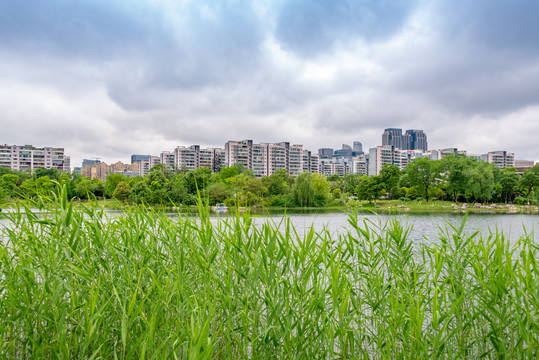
266, 158
259, 154
295, 160
385, 155
168, 159
239, 152
102, 170
28, 158
341, 165
147, 163
501, 159
310, 162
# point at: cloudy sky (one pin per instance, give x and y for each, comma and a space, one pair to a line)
110, 78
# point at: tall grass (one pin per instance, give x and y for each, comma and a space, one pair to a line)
77, 284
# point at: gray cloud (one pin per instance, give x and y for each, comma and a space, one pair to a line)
313, 27
114, 78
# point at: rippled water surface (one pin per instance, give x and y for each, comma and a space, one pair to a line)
422, 225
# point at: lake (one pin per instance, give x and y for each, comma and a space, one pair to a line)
424, 225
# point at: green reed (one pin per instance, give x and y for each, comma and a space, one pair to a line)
75, 283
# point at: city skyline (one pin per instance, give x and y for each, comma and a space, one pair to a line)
137, 156
117, 78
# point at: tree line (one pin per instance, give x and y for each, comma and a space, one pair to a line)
454, 178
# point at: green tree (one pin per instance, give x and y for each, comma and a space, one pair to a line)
369, 188
423, 172
277, 183
140, 192
530, 181
197, 180
481, 185
389, 180
228, 172
112, 181
44, 185
88, 189
321, 189
52, 173
351, 181
9, 183
219, 192
509, 183
303, 190
122, 191
457, 170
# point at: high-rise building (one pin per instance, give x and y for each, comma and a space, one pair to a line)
29, 158
418, 140
325, 153
358, 147
345, 151
392, 137
146, 165
266, 158
90, 162
385, 155
411, 140
188, 158
168, 159
138, 158
239, 152
310, 162
295, 160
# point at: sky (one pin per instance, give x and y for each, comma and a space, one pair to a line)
111, 78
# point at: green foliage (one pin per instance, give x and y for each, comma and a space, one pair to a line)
197, 180
112, 181
122, 191
321, 189
89, 189
311, 190
79, 284
277, 183
456, 178
530, 181
389, 180
228, 172
140, 193
423, 173
369, 188
481, 181
303, 190
52, 173
8, 185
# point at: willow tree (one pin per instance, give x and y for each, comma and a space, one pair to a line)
303, 190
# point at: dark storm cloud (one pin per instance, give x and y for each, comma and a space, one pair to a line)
313, 27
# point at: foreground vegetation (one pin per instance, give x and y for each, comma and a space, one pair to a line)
76, 284
454, 178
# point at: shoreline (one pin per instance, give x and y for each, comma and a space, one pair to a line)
391, 206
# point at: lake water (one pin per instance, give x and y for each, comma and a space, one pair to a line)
422, 225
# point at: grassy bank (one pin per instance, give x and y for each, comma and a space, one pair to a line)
381, 206
74, 284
